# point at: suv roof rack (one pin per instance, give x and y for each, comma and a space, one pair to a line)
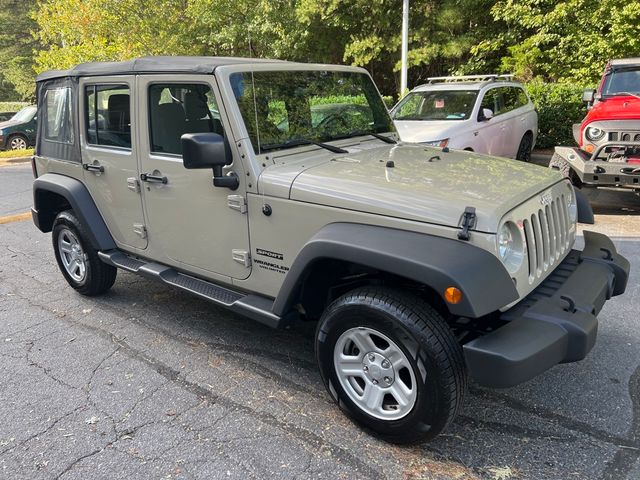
493, 77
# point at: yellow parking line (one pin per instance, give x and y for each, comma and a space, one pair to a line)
15, 218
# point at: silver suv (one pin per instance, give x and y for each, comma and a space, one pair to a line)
480, 113
279, 190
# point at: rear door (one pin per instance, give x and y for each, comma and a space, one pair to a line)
110, 156
192, 224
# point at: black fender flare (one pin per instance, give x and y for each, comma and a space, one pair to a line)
79, 198
437, 262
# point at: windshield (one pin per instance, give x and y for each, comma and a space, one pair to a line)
24, 115
281, 109
436, 105
621, 81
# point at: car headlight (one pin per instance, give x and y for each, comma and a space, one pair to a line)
510, 246
572, 206
594, 133
438, 143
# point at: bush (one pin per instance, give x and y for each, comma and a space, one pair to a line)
559, 106
12, 106
16, 153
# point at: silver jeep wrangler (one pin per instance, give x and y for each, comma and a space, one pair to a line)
279, 190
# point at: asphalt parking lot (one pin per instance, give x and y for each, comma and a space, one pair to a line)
148, 382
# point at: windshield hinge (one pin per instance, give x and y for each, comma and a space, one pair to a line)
468, 221
237, 202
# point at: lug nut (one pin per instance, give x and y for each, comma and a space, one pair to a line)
372, 357
385, 364
374, 381
387, 379
365, 369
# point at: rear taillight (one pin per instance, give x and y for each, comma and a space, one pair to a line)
34, 169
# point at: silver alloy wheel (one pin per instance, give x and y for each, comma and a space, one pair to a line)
18, 143
375, 373
73, 257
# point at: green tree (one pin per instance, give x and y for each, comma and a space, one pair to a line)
567, 41
16, 49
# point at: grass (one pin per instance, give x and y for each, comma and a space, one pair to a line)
16, 153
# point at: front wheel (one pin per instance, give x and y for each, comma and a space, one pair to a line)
525, 147
391, 362
77, 259
17, 142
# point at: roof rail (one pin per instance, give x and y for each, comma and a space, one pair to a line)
492, 77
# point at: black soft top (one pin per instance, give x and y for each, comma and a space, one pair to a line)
168, 64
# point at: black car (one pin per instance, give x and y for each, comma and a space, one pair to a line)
19, 132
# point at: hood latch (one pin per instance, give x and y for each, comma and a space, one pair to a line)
468, 222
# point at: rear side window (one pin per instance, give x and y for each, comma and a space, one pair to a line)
108, 114
176, 109
514, 97
58, 126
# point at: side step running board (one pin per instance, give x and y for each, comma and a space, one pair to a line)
253, 306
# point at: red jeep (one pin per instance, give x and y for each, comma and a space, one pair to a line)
609, 136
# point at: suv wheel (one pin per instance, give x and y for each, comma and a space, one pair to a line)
524, 150
17, 142
77, 259
392, 363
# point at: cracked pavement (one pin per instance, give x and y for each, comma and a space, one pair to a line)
149, 382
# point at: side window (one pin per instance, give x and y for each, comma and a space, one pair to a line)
511, 98
176, 109
523, 99
108, 114
493, 101
58, 126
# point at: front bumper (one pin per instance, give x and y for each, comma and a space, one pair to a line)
592, 170
554, 324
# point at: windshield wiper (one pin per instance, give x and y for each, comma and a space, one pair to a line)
301, 142
626, 93
358, 133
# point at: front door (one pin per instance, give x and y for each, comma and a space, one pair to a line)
109, 157
189, 221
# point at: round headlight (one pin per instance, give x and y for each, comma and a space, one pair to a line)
594, 133
510, 246
572, 206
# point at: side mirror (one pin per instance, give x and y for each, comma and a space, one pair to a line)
588, 95
209, 150
486, 114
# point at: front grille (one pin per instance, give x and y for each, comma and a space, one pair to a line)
547, 236
624, 136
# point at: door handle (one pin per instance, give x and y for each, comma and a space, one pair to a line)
93, 168
145, 177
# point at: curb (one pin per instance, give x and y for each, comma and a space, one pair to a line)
4, 161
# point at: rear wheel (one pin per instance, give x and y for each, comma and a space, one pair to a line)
77, 259
524, 149
391, 362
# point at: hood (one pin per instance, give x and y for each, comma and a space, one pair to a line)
420, 186
615, 108
428, 130
6, 123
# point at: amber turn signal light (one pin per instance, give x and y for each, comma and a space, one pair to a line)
589, 148
453, 295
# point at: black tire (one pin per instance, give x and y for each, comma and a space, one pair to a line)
99, 277
560, 164
16, 137
525, 147
426, 340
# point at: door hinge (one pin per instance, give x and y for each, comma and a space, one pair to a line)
237, 202
241, 256
140, 229
133, 184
